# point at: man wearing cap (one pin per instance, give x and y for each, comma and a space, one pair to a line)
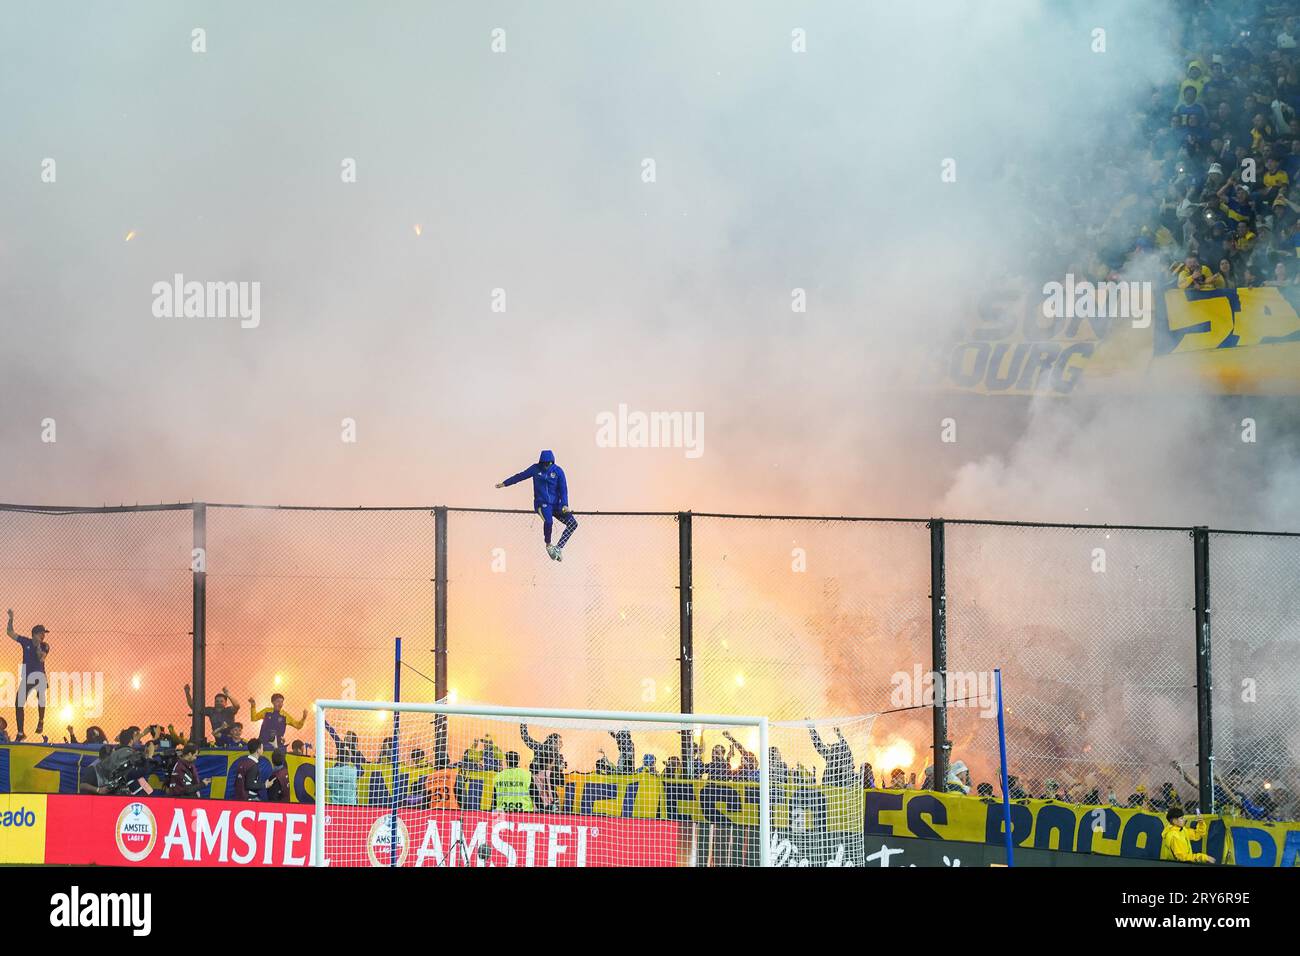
31, 677
550, 499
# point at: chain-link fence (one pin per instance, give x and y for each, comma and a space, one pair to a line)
798, 618
307, 603
1095, 629
599, 632
115, 590
1255, 664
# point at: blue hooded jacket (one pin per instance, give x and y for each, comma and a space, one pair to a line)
549, 484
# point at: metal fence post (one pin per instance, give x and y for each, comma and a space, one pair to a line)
686, 658
440, 691
1204, 685
199, 618
939, 653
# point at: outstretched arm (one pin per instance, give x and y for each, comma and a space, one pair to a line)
738, 747
1232, 794
523, 733
9, 628
818, 743
514, 479
1179, 767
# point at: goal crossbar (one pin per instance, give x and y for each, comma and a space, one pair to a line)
682, 721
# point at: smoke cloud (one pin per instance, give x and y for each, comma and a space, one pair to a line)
519, 176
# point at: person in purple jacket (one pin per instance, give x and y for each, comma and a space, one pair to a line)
550, 499
275, 720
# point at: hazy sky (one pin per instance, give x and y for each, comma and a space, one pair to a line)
523, 169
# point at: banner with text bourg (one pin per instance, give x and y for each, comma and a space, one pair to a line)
1231, 342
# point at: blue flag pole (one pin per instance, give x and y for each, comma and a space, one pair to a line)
393, 858
1002, 750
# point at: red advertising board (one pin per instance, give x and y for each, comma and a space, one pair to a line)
361, 836
123, 831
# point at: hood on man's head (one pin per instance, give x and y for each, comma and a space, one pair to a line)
547, 457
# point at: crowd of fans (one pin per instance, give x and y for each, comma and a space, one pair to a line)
130, 762
129, 765
536, 781
1214, 194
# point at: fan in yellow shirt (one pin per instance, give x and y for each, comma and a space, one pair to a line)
1190, 273
1176, 840
1275, 176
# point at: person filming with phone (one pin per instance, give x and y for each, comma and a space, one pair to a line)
1176, 840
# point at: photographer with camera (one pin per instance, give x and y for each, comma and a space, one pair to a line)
90, 777
143, 764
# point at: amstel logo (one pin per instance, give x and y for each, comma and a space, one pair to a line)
136, 832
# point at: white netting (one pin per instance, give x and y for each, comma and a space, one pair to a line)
488, 790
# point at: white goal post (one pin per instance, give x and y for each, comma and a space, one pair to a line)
440, 784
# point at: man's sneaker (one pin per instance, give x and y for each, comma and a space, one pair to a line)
559, 553
553, 551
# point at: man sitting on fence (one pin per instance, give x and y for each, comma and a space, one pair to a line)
550, 499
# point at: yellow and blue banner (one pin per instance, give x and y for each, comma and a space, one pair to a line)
1228, 341
1047, 825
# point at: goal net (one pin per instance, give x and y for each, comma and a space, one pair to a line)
460, 785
